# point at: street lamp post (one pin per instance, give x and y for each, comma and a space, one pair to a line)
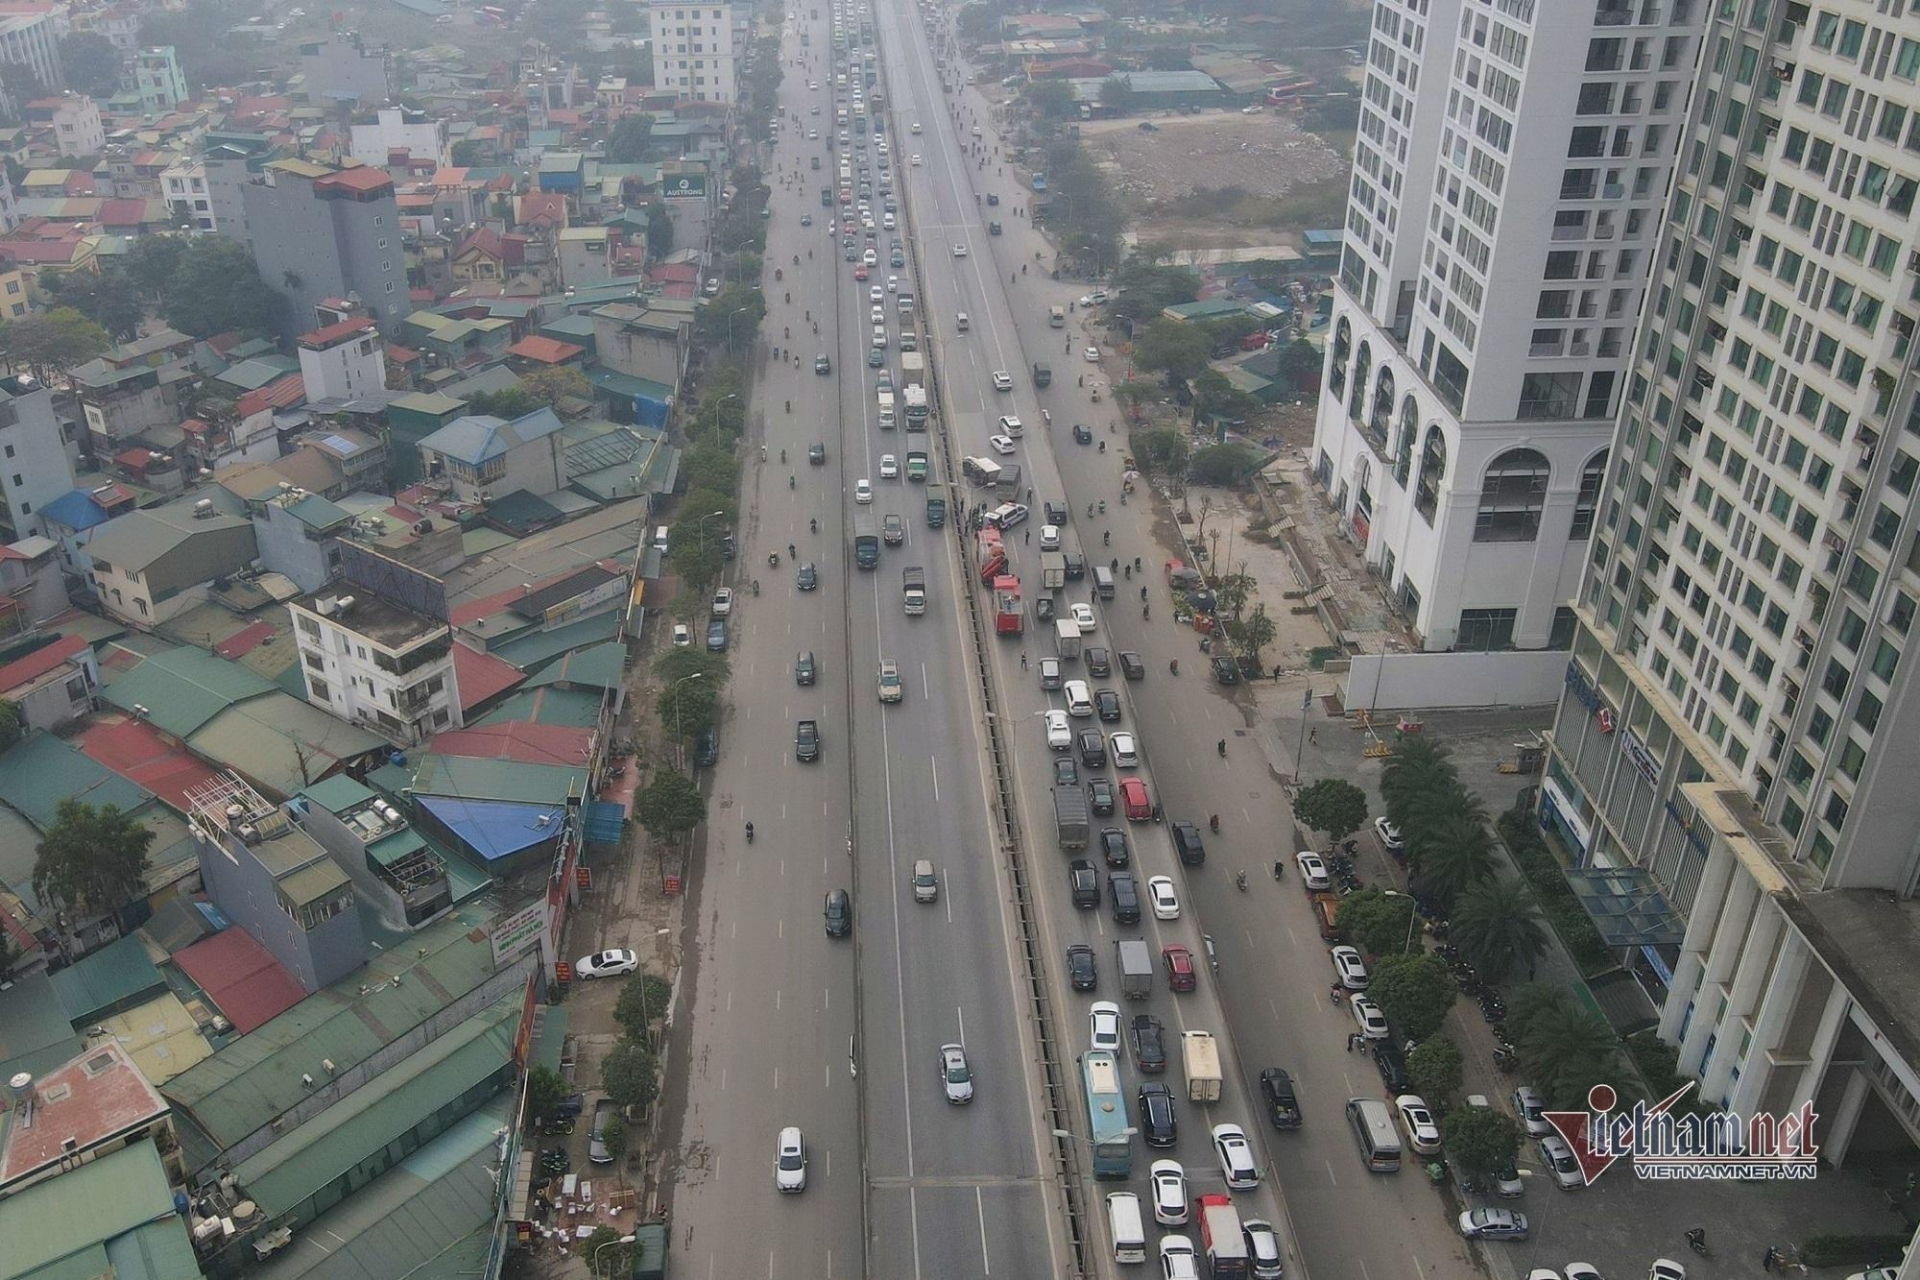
703, 529
720, 400
597, 1248
676, 706
1413, 916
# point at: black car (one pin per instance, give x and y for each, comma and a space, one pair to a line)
717, 635
1276, 1090
1097, 663
1158, 1126
706, 748
1130, 665
1065, 773
1082, 433
809, 576
1186, 843
803, 668
1093, 748
1056, 511
1225, 669
806, 742
875, 358
1044, 608
817, 454
728, 548
1085, 883
1082, 971
1149, 1043
893, 529
822, 364
1100, 795
1106, 703
1113, 846
1126, 898
1393, 1068
1076, 565
839, 913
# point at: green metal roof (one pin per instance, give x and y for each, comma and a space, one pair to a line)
35, 1033
43, 770
600, 667
153, 1251
183, 688
63, 1227
19, 850
280, 742
468, 778
337, 794
330, 1144
574, 708
116, 977
530, 651
549, 1036
401, 844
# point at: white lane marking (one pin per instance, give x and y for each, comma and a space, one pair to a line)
933, 766
980, 1208
960, 1017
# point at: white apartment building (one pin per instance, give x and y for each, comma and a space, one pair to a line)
1733, 770
35, 464
393, 132
1508, 177
30, 40
373, 662
75, 118
343, 360
693, 50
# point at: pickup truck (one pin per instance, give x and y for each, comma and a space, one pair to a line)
806, 742
917, 464
913, 583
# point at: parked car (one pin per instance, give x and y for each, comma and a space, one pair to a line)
606, 964
1493, 1224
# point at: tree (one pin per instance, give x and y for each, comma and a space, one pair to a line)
1332, 805
1116, 95
1434, 1067
1376, 923
1418, 770
466, 153
728, 322
630, 1074
508, 402
630, 140
1253, 633
1298, 369
709, 464
1482, 1141
1567, 1049
643, 1002
216, 288
1496, 924
659, 230
670, 805
92, 861
679, 664
545, 1088
152, 261
108, 298
9, 724
1171, 347
1160, 450
556, 383
1050, 99
1415, 991
50, 344
604, 1252
1222, 465
1215, 397
613, 1136
688, 708
92, 64
1233, 590
1450, 858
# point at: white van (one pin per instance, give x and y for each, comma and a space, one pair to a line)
660, 539
1125, 1230
1373, 1129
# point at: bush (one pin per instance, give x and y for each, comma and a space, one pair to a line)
1548, 880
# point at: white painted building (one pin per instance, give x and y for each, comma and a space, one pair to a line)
392, 132
75, 121
343, 360
35, 464
1733, 761
1504, 209
693, 50
376, 663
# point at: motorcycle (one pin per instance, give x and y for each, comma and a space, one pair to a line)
773, 559
1241, 880
756, 586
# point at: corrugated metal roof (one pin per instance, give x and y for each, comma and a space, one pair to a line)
35, 1034
578, 708
531, 651
241, 977
183, 688
19, 850
160, 1036
113, 978
337, 794
43, 770
280, 742
465, 778
601, 666
61, 1227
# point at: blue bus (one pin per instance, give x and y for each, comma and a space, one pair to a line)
1107, 1116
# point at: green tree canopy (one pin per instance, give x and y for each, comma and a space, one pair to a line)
51, 343
92, 861
671, 805
630, 1074
687, 709
1414, 990
151, 262
1376, 923
216, 288
1332, 805
1169, 346
630, 140
508, 402
1496, 924
1252, 633
545, 1088
1051, 99
1222, 465
1481, 1140
643, 1002
659, 230
108, 298
1434, 1066
729, 321
92, 64
613, 1136
9, 724
1451, 856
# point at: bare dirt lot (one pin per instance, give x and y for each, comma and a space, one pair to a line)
1264, 154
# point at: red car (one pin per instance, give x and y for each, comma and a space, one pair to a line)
860, 273
1180, 976
1133, 799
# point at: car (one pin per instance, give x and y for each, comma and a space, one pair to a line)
1390, 838
924, 881
959, 250
1082, 433
1134, 800
706, 748
717, 635
1049, 537
1493, 1224
1124, 898
1181, 975
893, 530
956, 1077
1113, 841
804, 670
1106, 704
1082, 614
1083, 882
1159, 1126
1349, 968
682, 635
1093, 749
1079, 698
1103, 1026
1092, 354
1871, 1273
897, 258
1001, 444
1093, 299
806, 741
893, 284
1100, 799
1367, 1014
1013, 427
790, 1161
1666, 1269
1225, 669
1126, 753
863, 491
1263, 1249
839, 913
889, 467
723, 602
1131, 666
816, 454
1416, 1117
1076, 565
809, 576
875, 357
1531, 1108
806, 219
1007, 515
1313, 870
1065, 772
606, 964
891, 689
1283, 1105
1188, 845
1166, 902
859, 273
1099, 663
1002, 380
1059, 732
1177, 1259
1083, 971
1049, 673
870, 258
1392, 1067
1557, 1156
824, 364
876, 294
1236, 1157
1169, 1183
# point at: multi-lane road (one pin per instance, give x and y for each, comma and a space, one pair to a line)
841, 1036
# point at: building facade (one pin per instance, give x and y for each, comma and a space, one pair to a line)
693, 51
319, 232
395, 131
158, 80
36, 466
31, 42
1483, 309
373, 662
345, 68
74, 121
343, 360
1732, 759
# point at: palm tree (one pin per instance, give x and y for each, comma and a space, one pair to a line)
1497, 924
1567, 1050
1453, 856
1535, 1000
1420, 768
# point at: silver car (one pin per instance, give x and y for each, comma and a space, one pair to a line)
956, 1077
790, 1161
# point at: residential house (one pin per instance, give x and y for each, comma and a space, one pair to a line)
487, 256
344, 68
398, 132
72, 121
32, 589
643, 342
72, 519
150, 565
374, 661
298, 534
54, 684
36, 463
321, 232
344, 359
484, 457
158, 80
135, 386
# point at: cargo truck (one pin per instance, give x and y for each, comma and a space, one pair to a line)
1066, 639
917, 461
936, 512
913, 581
1053, 570
1222, 1238
980, 470
913, 370
1136, 968
1202, 1057
916, 401
1057, 317
885, 399
1071, 819
866, 540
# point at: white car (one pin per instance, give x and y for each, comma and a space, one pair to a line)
1104, 1026
956, 1077
1169, 1193
1313, 871
1126, 754
1002, 380
959, 250
1049, 537
1177, 1259
889, 467
893, 284
1236, 1157
1093, 299
1418, 1120
1561, 1166
1001, 444
1166, 903
790, 1161
863, 491
1093, 355
914, 127
1059, 732
876, 294
877, 315
1666, 1269
606, 964
887, 222
682, 635
1079, 698
1263, 1243
1373, 1023
813, 135
1352, 970
1082, 614
1390, 838
723, 602
1010, 424
962, 252
870, 259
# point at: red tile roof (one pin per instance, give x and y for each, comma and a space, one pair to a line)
140, 753
675, 272
282, 393
241, 977
482, 676
361, 178
545, 350
86, 1100
122, 213
518, 741
245, 640
321, 339
39, 662
401, 355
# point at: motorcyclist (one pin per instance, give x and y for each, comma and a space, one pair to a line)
813, 525
749, 833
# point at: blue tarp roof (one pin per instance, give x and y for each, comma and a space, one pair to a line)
494, 828
604, 820
75, 509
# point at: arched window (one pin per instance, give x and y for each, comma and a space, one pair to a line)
1403, 447
1433, 469
1363, 485
1342, 346
1382, 410
1512, 493
1362, 370
1592, 476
